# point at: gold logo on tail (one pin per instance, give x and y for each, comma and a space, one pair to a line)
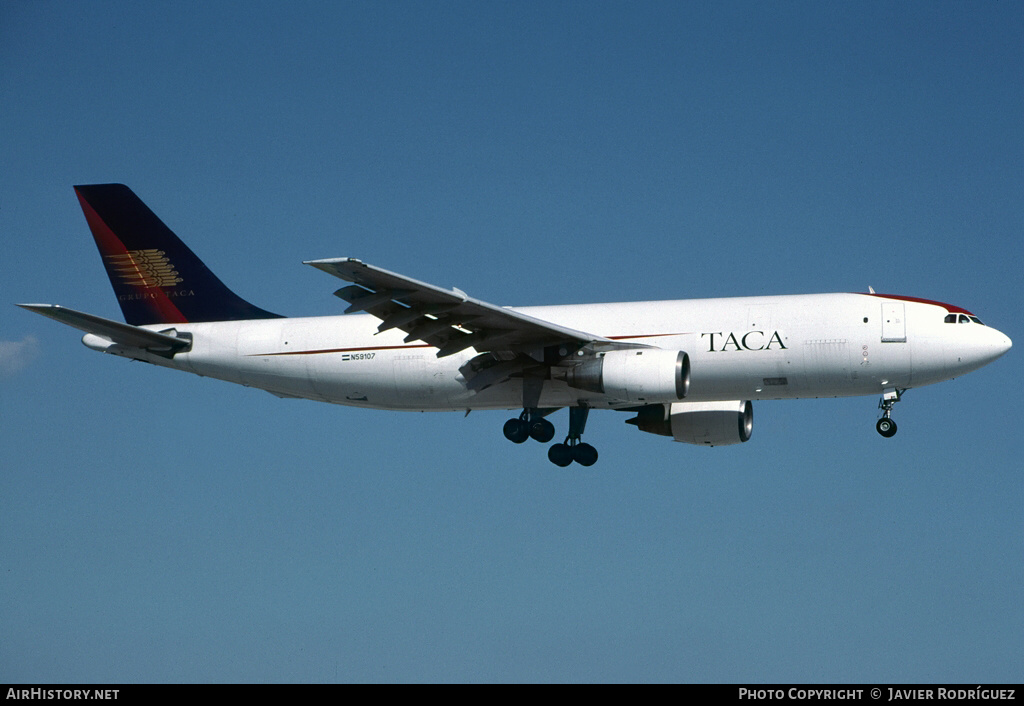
144, 268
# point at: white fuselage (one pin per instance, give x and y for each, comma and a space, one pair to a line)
747, 348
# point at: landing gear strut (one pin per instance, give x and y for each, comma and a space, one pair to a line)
886, 426
573, 449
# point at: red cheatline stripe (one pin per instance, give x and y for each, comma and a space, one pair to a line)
644, 335
948, 307
341, 350
393, 348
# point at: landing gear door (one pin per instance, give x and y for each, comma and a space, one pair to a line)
894, 324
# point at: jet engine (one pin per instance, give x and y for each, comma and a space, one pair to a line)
643, 375
700, 423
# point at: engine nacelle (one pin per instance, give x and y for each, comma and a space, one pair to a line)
700, 423
643, 375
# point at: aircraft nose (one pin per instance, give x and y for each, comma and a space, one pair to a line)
1005, 344
984, 345
998, 345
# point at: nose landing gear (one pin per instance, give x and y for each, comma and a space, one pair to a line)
886, 426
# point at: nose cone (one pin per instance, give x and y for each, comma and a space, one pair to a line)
971, 346
1002, 344
986, 345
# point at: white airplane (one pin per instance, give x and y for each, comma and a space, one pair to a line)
686, 369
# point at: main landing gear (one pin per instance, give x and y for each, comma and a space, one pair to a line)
886, 426
531, 424
573, 449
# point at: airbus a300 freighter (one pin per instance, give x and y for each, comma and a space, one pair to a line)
686, 369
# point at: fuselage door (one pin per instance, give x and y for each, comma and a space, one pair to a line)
894, 323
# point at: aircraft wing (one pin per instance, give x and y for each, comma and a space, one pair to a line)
450, 320
125, 334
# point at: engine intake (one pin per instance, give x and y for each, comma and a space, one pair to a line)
643, 375
700, 423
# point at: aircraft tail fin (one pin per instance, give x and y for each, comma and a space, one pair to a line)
156, 277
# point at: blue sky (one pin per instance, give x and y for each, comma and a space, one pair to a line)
156, 526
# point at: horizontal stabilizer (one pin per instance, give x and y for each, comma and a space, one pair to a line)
124, 334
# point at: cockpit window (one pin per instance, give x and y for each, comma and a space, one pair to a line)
962, 319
